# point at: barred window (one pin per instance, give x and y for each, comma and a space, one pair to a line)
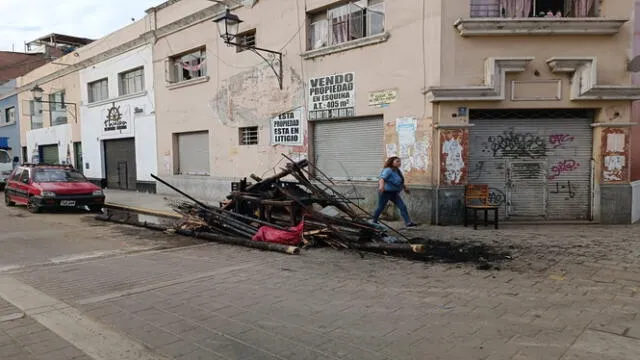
249, 135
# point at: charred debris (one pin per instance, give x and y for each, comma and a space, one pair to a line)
290, 208
298, 208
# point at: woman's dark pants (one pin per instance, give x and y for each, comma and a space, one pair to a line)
393, 196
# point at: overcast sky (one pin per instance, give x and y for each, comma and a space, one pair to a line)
26, 20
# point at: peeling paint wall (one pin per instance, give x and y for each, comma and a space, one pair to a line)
454, 156
241, 90
615, 155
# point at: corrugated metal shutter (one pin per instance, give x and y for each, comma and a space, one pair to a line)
537, 168
49, 154
350, 148
193, 153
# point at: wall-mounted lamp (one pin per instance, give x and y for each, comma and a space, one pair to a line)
228, 25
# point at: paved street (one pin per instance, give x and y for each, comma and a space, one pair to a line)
75, 288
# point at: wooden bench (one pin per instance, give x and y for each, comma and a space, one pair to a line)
476, 198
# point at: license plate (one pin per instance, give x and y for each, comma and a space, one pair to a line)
67, 203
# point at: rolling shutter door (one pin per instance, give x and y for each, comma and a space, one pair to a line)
49, 154
350, 149
193, 153
537, 168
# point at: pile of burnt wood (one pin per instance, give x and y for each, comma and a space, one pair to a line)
299, 206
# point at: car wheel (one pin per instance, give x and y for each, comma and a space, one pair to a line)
32, 206
7, 201
95, 208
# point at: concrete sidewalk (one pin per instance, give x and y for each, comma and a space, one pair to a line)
148, 201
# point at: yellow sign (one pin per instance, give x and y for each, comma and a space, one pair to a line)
382, 97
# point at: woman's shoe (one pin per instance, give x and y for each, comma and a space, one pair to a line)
411, 225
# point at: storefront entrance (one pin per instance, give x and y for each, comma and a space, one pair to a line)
120, 163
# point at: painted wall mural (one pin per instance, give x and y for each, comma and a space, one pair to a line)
454, 154
615, 145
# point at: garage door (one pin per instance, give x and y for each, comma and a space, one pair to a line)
350, 148
120, 160
193, 153
49, 154
537, 163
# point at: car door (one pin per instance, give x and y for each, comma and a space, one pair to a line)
23, 187
12, 187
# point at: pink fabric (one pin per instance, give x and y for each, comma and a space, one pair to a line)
582, 8
517, 8
292, 237
340, 26
188, 65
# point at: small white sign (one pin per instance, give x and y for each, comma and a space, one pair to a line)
287, 128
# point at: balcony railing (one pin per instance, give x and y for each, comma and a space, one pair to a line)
480, 10
493, 9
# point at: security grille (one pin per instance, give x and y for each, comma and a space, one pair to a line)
249, 135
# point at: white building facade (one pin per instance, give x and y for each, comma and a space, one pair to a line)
119, 122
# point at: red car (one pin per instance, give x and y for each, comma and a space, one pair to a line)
41, 186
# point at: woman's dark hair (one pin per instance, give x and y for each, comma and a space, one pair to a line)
389, 164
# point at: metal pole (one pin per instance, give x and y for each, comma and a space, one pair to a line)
180, 192
212, 209
345, 198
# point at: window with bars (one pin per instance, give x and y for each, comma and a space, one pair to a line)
191, 65
349, 21
131, 82
247, 38
534, 8
35, 111
57, 108
98, 90
249, 135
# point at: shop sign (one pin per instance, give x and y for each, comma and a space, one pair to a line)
332, 96
382, 97
116, 119
287, 129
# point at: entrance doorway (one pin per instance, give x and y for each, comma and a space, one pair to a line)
120, 163
49, 154
77, 154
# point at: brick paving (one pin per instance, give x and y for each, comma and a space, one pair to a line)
326, 304
22, 338
570, 292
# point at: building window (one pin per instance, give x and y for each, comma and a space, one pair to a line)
534, 8
247, 38
188, 66
249, 135
35, 111
98, 90
192, 150
57, 108
351, 21
132, 81
10, 115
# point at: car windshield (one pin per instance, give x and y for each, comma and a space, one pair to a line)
58, 175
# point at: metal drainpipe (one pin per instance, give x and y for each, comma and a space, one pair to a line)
592, 187
436, 171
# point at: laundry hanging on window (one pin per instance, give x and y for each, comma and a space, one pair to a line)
193, 65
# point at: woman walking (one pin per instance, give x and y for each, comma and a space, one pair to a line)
390, 186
